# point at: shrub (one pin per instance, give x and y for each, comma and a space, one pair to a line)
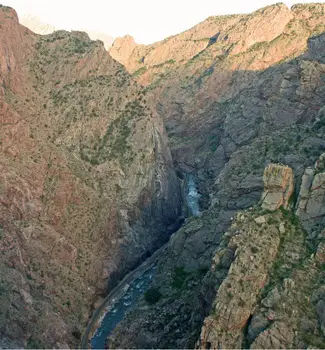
179, 277
34, 344
152, 295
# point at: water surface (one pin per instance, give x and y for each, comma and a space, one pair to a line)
193, 196
120, 307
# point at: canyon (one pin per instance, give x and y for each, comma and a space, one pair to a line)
203, 153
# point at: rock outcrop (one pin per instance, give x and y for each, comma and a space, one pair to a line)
268, 298
278, 187
311, 200
254, 246
87, 185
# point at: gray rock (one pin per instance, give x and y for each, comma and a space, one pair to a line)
307, 325
282, 228
311, 199
257, 325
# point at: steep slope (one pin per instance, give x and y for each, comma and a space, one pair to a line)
87, 187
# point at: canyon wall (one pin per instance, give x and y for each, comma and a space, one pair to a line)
87, 186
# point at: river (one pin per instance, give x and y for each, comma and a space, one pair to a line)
119, 307
192, 196
124, 297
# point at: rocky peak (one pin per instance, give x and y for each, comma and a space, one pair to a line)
233, 33
16, 43
122, 49
278, 186
263, 25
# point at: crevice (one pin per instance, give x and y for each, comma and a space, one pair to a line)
246, 344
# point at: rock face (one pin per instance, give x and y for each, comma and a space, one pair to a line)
278, 187
311, 201
87, 186
122, 49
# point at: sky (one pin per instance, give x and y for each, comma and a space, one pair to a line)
146, 20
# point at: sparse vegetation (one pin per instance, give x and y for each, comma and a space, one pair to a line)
139, 72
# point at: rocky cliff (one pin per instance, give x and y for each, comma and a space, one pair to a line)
87, 186
272, 295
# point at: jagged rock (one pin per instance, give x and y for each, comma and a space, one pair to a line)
320, 253
278, 186
272, 298
278, 336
